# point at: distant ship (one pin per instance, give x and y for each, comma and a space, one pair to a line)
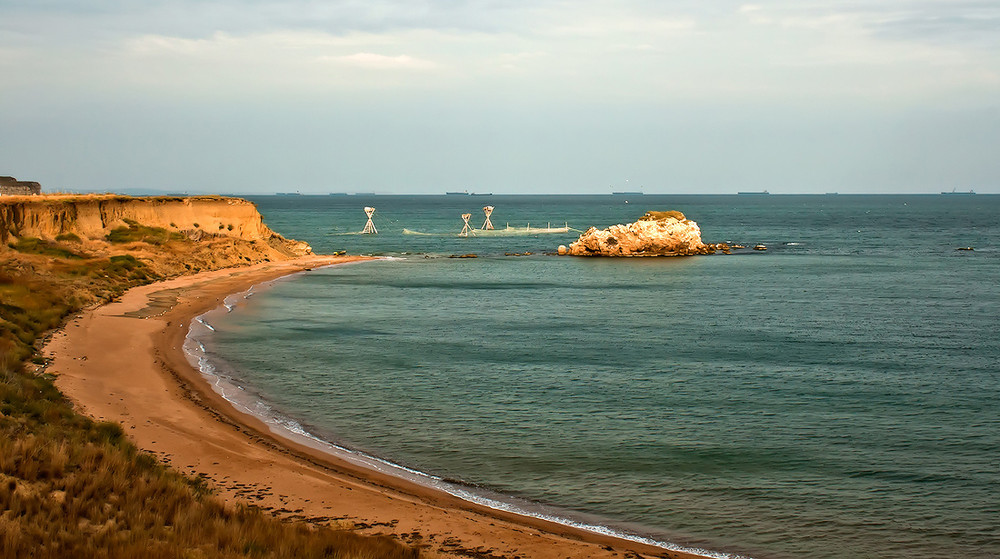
955, 192
755, 193
288, 194
364, 194
627, 193
338, 194
462, 193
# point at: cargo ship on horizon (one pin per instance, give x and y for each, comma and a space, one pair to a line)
956, 192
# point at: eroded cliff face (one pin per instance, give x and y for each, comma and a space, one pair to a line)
654, 234
94, 217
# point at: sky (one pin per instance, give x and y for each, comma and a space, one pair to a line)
502, 96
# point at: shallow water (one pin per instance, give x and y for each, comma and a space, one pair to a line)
835, 396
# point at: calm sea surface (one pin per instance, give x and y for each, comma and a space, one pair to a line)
835, 396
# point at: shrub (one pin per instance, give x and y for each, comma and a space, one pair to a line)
69, 237
141, 233
122, 271
34, 245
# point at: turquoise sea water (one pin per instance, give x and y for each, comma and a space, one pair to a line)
835, 396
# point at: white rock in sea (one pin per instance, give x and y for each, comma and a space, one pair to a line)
654, 234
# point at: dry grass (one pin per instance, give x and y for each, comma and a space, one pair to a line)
61, 197
73, 487
33, 245
657, 216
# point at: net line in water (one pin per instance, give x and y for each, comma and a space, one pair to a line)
505, 232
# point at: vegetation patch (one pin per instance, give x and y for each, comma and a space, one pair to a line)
135, 232
68, 237
74, 487
34, 245
28, 307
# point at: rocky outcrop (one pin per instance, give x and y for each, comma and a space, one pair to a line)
654, 234
94, 216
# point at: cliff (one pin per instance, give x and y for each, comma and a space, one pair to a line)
94, 217
653, 234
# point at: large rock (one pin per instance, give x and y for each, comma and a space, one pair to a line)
654, 234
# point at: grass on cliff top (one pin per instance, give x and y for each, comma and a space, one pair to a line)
62, 197
73, 487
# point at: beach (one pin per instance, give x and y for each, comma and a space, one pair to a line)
124, 362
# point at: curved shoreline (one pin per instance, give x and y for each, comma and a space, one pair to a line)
285, 428
125, 362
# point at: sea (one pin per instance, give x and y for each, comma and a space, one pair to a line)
836, 395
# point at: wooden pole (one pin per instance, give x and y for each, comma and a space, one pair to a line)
488, 210
467, 229
370, 226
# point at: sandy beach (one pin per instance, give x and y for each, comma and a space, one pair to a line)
124, 362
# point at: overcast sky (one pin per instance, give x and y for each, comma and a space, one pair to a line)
503, 96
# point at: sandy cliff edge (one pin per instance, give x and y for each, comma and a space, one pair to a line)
93, 217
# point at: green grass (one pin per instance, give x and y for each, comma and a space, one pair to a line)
135, 232
68, 237
33, 245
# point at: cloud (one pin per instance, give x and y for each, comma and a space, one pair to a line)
521, 49
976, 26
380, 61
964, 22
200, 18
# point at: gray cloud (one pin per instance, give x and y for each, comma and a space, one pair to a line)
962, 23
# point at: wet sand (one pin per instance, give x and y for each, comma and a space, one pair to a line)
124, 362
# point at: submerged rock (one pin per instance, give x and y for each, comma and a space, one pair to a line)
654, 234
